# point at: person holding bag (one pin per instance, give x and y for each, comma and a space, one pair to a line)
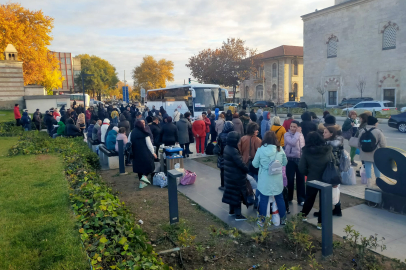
235, 177
313, 163
270, 182
248, 146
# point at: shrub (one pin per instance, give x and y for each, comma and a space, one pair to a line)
107, 229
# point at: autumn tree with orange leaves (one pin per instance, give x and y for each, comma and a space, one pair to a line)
30, 33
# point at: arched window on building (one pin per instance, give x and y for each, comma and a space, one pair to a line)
274, 70
259, 92
332, 45
389, 38
295, 68
246, 91
274, 92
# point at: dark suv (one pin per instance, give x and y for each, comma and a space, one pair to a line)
294, 104
351, 102
263, 103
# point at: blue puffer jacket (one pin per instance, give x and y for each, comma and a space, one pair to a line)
216, 112
111, 140
265, 126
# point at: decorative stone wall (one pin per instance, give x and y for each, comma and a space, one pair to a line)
11, 84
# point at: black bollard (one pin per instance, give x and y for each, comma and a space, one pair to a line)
326, 198
121, 156
173, 195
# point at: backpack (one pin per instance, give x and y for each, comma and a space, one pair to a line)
368, 141
275, 167
209, 149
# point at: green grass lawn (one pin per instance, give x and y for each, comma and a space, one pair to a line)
37, 229
6, 116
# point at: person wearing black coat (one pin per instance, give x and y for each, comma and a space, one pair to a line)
143, 152
62, 111
229, 116
307, 124
253, 116
222, 142
213, 132
156, 132
125, 124
169, 133
315, 157
50, 122
71, 130
235, 177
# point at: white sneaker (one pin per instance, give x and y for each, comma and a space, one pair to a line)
203, 155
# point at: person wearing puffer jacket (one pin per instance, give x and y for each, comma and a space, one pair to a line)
294, 141
265, 126
270, 185
238, 126
112, 139
103, 129
222, 142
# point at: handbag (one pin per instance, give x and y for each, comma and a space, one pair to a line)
251, 168
353, 142
331, 174
347, 134
188, 179
250, 193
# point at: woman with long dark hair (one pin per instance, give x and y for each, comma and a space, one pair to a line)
143, 153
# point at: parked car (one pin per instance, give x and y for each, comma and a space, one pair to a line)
293, 104
403, 109
398, 121
351, 102
377, 106
263, 104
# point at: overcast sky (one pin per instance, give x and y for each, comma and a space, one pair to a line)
123, 31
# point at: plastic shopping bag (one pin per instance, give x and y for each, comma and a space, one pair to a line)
345, 162
348, 177
188, 179
276, 219
252, 181
160, 179
336, 195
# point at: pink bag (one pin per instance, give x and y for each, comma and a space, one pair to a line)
188, 179
285, 179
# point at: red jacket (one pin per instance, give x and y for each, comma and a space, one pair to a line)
198, 128
17, 114
88, 115
208, 123
286, 124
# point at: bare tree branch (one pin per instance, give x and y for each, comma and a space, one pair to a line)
361, 84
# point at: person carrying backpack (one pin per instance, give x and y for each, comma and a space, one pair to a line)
370, 139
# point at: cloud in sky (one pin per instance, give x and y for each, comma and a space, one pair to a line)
124, 31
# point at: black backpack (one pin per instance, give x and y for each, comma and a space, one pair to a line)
209, 149
368, 141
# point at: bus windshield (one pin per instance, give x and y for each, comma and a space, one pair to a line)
208, 98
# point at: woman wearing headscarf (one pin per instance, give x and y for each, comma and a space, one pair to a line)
229, 116
279, 130
143, 153
169, 133
253, 116
265, 125
220, 123
238, 126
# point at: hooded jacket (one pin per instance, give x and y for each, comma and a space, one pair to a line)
265, 124
111, 140
25, 120
280, 133
294, 144
259, 114
61, 128
307, 124
216, 113
314, 161
235, 172
269, 185
286, 123
238, 126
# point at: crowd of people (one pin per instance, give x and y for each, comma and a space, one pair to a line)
295, 150
278, 156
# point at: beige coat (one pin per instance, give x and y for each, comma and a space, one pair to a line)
380, 138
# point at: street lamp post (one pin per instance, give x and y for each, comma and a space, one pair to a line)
83, 87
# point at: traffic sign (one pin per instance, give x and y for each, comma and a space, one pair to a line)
125, 94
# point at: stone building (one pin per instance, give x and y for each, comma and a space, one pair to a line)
280, 73
11, 79
355, 41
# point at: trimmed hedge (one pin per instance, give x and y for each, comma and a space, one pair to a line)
110, 236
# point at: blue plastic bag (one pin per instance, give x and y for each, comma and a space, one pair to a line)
357, 152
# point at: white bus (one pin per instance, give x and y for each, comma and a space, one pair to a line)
195, 98
79, 99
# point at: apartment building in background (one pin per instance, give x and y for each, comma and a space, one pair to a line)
70, 68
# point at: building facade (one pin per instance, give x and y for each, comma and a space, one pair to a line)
279, 77
70, 68
352, 42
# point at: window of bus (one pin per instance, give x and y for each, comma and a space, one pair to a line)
208, 98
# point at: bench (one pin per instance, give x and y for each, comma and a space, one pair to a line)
108, 159
92, 144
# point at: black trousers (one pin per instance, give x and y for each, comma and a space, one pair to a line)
285, 198
310, 199
236, 209
292, 169
222, 176
18, 122
38, 125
